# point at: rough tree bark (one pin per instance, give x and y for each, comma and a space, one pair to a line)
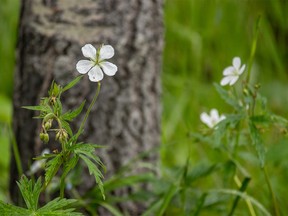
126, 117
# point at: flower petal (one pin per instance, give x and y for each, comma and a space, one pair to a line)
236, 62
89, 51
225, 80
83, 66
242, 69
109, 68
233, 80
106, 52
222, 117
214, 114
228, 71
95, 74
205, 118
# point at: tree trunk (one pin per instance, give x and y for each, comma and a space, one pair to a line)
126, 117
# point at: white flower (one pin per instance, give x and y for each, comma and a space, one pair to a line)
211, 120
232, 73
96, 64
38, 164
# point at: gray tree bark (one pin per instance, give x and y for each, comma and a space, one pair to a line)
126, 117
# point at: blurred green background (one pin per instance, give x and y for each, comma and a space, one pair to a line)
201, 38
9, 12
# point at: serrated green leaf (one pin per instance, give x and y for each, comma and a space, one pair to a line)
93, 169
30, 192
56, 207
52, 166
10, 210
69, 165
90, 147
70, 115
58, 107
227, 98
41, 108
88, 152
72, 83
257, 142
67, 127
54, 90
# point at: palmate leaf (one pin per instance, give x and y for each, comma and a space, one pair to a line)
70, 115
52, 166
30, 192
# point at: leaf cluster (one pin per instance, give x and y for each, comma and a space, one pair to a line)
30, 192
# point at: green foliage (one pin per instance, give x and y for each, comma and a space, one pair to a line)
93, 170
70, 115
30, 192
52, 167
228, 97
72, 83
258, 143
57, 207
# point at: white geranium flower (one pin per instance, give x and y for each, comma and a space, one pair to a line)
232, 73
38, 164
212, 119
96, 64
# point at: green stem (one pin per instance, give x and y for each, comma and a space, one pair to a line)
88, 111
253, 48
15, 151
275, 206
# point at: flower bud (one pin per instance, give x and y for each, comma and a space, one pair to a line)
245, 92
62, 135
257, 86
52, 100
48, 124
44, 137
